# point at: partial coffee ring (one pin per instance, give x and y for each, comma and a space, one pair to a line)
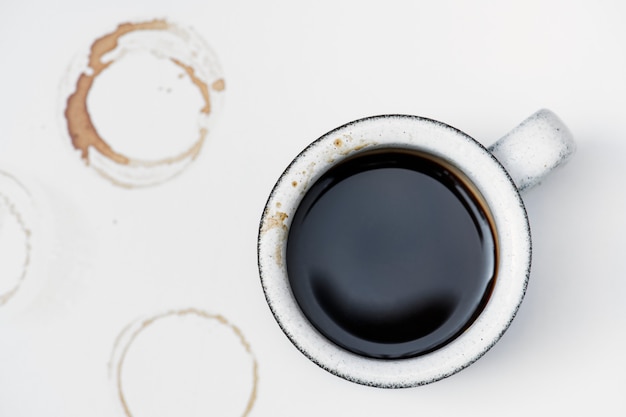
184, 362
140, 104
16, 223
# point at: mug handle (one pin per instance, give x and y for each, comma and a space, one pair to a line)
533, 149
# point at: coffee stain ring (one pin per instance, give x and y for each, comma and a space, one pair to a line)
16, 214
131, 331
190, 52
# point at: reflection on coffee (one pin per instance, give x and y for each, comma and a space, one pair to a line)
391, 254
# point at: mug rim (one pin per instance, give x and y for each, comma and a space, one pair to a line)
482, 169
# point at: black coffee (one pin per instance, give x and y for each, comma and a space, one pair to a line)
390, 254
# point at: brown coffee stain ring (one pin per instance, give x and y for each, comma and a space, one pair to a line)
144, 324
17, 216
84, 134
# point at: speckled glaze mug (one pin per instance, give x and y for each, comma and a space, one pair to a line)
389, 318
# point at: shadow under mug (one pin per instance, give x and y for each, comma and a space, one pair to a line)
494, 177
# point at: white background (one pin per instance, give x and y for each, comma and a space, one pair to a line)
293, 71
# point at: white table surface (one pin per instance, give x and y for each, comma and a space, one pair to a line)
293, 71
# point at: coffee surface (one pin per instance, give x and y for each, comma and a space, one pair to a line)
390, 254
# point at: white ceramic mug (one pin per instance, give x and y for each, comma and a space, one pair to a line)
515, 163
